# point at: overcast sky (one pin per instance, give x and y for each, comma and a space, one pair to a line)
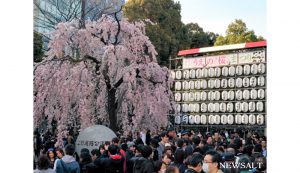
215, 15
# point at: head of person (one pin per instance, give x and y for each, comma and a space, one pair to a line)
43, 163
172, 132
112, 149
85, 157
115, 141
220, 149
263, 143
164, 137
196, 140
168, 150
257, 148
202, 143
85, 150
60, 153
195, 162
102, 148
124, 147
154, 143
95, 154
146, 151
51, 153
216, 136
209, 140
180, 143
184, 135
172, 169
167, 159
260, 163
131, 146
179, 156
230, 150
70, 149
211, 161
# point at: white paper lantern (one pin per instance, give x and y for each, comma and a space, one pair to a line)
192, 74
239, 82
211, 83
245, 107
231, 71
252, 119
239, 94
192, 85
246, 94
191, 119
191, 107
224, 119
261, 68
204, 73
217, 95
197, 119
177, 119
197, 84
203, 96
217, 107
203, 107
225, 71
186, 74
173, 75
197, 96
245, 119
211, 107
177, 97
230, 95
239, 70
229, 107
185, 96
224, 95
230, 119
211, 119
254, 69
260, 119
217, 83
178, 85
259, 106
211, 72
238, 106
186, 85
247, 69
251, 107
178, 107
224, 83
231, 83
185, 119
253, 94
223, 107
217, 119
238, 119
261, 94
191, 96
210, 95
198, 73
197, 107
185, 107
246, 82
217, 72
203, 84
178, 74
203, 119
252, 82
261, 81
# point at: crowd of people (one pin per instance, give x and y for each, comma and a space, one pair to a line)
166, 152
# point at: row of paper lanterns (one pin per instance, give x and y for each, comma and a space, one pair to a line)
219, 95
221, 83
221, 107
220, 71
223, 119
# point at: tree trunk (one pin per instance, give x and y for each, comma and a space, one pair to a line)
82, 19
112, 110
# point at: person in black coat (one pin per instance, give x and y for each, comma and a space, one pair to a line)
144, 164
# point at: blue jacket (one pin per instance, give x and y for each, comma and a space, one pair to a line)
67, 164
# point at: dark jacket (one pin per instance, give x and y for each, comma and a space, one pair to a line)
181, 166
143, 165
190, 171
111, 164
67, 164
129, 162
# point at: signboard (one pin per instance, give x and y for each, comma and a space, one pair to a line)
252, 57
92, 137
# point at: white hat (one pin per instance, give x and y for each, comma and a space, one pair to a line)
252, 81
211, 72
246, 94
178, 74
231, 83
203, 96
225, 71
217, 95
192, 73
217, 83
217, 72
254, 69
229, 107
246, 82
186, 74
245, 119
231, 71
252, 119
203, 119
251, 107
197, 119
238, 119
217, 119
203, 107
247, 69
261, 68
259, 106
191, 119
224, 83
230, 119
198, 73
261, 94
224, 119
253, 94
239, 82
239, 94
217, 107
260, 119
261, 81
224, 95
192, 85
238, 106
239, 70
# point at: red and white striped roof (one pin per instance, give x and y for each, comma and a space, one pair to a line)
221, 48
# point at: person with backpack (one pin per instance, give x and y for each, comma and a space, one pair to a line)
67, 164
144, 164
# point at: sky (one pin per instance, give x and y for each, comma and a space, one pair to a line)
216, 15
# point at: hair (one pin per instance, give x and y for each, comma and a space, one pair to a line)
203, 142
171, 169
95, 152
106, 143
195, 160
146, 151
231, 150
179, 156
139, 148
86, 157
163, 134
198, 150
124, 147
139, 141
180, 143
168, 148
43, 162
248, 150
154, 143
113, 149
196, 140
84, 150
216, 157
258, 148
70, 149
51, 150
220, 148
102, 147
115, 140
61, 151
169, 156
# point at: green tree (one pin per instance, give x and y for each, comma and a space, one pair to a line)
237, 32
38, 52
165, 31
